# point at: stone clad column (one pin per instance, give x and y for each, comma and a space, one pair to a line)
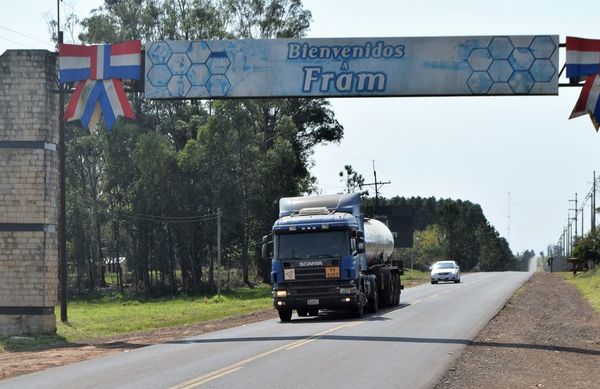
28, 192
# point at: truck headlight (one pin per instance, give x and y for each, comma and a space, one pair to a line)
281, 293
347, 290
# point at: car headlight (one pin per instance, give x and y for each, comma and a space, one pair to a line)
347, 290
281, 293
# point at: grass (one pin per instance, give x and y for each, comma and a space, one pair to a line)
28, 343
589, 285
415, 277
114, 314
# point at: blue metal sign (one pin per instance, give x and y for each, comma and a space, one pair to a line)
433, 66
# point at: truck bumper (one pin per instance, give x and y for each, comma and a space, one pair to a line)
317, 302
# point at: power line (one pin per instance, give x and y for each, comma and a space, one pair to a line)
166, 219
17, 43
26, 36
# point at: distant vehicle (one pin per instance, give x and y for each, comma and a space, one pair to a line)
445, 271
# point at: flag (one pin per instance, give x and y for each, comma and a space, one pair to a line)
583, 60
98, 71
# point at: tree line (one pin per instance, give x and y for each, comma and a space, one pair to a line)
150, 190
447, 229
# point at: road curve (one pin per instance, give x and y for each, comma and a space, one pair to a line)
411, 346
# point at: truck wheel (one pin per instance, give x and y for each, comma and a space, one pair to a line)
391, 291
396, 281
358, 310
394, 290
373, 302
285, 315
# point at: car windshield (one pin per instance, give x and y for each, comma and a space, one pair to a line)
312, 244
444, 265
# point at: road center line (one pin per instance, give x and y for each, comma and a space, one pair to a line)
238, 365
315, 337
214, 377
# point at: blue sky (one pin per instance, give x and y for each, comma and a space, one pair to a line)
470, 148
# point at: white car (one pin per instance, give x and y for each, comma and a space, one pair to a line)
445, 271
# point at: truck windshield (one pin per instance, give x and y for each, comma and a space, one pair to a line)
312, 244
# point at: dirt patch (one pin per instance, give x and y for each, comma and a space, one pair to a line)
18, 363
547, 336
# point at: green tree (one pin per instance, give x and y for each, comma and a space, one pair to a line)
353, 180
588, 248
146, 185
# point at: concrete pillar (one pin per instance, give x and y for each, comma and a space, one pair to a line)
28, 192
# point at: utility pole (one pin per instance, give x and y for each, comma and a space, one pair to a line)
508, 219
569, 236
574, 218
593, 205
582, 213
219, 252
377, 185
62, 213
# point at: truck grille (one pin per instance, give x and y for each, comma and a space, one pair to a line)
310, 292
318, 272
310, 273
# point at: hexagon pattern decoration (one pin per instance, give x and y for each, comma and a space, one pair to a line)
489, 65
505, 66
177, 68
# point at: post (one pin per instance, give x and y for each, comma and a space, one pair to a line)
376, 185
575, 216
376, 189
62, 213
593, 204
582, 213
569, 237
219, 252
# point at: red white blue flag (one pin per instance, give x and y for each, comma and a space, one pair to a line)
583, 60
98, 70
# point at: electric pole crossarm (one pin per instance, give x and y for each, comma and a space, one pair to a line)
376, 185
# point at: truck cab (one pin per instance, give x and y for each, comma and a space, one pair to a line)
319, 256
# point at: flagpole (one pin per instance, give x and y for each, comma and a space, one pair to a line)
62, 214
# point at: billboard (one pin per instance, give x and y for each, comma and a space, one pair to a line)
341, 67
399, 219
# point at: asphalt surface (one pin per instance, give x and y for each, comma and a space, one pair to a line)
410, 346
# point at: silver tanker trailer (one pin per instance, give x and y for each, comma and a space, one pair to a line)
326, 255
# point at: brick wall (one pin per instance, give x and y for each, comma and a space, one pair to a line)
28, 192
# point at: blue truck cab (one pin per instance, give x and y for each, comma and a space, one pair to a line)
319, 257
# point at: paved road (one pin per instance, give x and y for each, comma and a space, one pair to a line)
406, 347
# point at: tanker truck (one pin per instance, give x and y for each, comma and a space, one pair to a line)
327, 255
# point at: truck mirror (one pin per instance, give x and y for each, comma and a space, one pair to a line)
360, 245
265, 248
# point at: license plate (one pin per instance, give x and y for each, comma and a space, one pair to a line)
312, 301
332, 272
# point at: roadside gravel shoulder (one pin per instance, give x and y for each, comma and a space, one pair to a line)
547, 336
